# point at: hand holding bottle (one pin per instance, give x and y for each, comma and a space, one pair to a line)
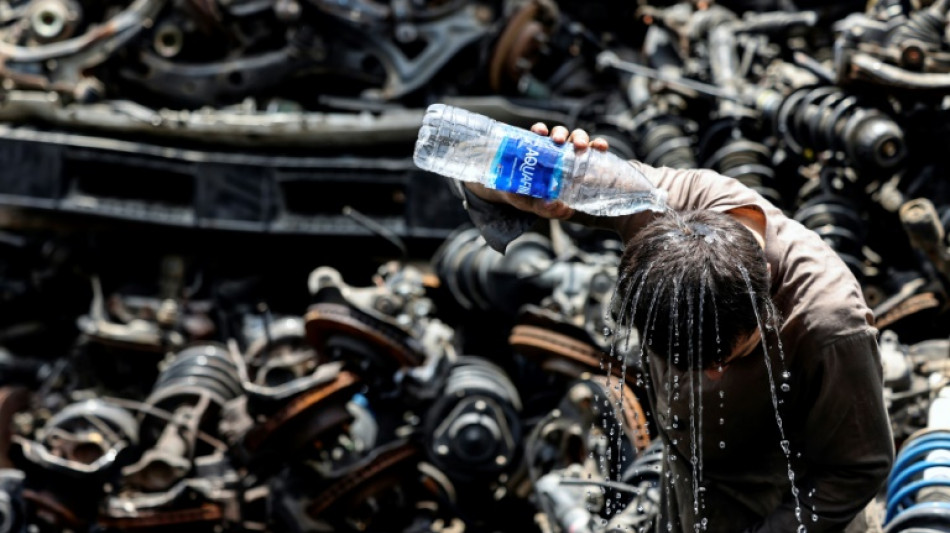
554, 209
474, 148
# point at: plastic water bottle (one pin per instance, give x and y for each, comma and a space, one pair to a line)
467, 146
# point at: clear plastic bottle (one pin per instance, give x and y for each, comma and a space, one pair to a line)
468, 146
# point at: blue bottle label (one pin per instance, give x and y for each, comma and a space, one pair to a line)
528, 166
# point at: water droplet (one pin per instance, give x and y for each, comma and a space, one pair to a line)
722, 444
722, 421
814, 518
722, 394
785, 447
785, 387
786, 374
607, 332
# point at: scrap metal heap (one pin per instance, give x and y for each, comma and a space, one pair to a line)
182, 347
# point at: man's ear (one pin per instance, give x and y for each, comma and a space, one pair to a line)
753, 219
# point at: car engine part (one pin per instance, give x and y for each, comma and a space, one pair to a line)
232, 303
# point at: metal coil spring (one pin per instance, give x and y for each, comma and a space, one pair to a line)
915, 500
201, 369
812, 120
750, 163
475, 426
202, 374
475, 375
663, 140
836, 218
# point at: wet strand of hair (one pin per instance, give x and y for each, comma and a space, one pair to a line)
693, 392
783, 442
623, 371
703, 285
672, 378
651, 328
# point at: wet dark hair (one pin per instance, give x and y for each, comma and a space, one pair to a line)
674, 260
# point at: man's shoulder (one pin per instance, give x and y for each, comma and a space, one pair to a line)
815, 290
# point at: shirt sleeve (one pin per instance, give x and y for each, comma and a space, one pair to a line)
694, 189
500, 224
849, 449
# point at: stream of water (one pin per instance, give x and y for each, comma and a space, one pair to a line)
684, 344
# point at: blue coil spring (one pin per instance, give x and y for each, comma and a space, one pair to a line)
905, 510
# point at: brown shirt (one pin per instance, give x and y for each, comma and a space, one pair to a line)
833, 416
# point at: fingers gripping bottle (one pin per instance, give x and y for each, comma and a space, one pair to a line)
467, 146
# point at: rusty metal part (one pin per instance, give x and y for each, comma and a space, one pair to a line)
51, 509
13, 399
925, 231
383, 463
282, 348
518, 43
316, 399
634, 417
551, 349
326, 319
134, 333
73, 56
558, 352
154, 519
910, 306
